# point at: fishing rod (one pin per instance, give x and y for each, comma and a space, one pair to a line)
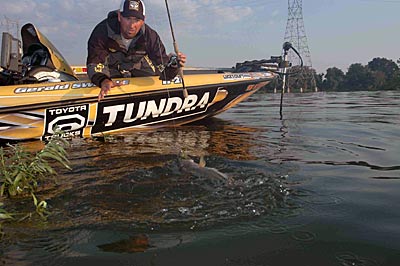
180, 69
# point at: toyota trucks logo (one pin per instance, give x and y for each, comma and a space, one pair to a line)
71, 120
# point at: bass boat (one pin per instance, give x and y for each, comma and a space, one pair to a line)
40, 92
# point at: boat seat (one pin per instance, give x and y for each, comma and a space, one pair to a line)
37, 55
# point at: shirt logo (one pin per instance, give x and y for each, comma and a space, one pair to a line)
99, 67
134, 5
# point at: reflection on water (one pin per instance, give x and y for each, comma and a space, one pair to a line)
137, 243
140, 182
311, 189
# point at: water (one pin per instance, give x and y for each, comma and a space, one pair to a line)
319, 187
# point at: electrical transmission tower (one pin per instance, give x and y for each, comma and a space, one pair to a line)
296, 35
10, 26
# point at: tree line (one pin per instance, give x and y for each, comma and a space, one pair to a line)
378, 74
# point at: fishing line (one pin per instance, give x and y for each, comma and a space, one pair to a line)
174, 125
164, 78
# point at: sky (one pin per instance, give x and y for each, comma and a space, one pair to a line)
220, 33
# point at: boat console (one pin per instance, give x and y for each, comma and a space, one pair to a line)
32, 60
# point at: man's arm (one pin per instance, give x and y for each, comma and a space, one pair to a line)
159, 57
97, 68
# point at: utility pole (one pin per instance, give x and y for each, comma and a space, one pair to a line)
296, 35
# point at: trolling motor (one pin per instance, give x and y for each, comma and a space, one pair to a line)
276, 64
280, 64
284, 66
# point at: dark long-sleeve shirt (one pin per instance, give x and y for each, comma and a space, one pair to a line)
109, 58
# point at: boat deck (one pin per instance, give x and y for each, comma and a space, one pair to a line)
80, 72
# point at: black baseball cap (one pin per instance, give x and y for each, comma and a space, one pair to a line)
133, 8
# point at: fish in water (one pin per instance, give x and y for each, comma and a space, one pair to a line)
200, 169
137, 243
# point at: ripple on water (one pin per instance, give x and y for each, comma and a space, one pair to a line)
42, 248
170, 197
303, 236
351, 259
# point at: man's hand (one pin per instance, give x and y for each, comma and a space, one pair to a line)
181, 59
106, 86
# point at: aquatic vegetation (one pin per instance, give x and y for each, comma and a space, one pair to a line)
21, 171
4, 215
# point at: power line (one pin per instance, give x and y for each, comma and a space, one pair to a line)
382, 1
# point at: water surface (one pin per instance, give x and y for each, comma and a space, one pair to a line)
319, 187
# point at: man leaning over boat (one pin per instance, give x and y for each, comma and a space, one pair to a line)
123, 45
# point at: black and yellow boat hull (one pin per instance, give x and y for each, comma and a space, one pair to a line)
33, 111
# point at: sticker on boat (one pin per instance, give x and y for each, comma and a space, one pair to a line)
145, 110
71, 120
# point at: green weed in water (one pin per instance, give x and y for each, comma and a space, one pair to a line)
21, 171
4, 215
